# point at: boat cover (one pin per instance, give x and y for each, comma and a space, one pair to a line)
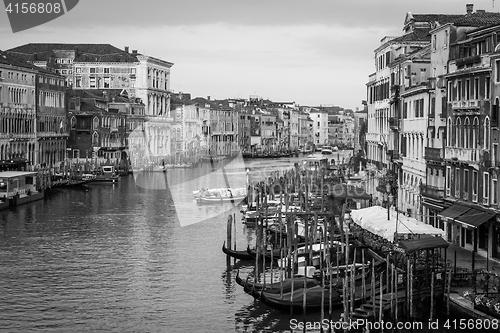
374, 219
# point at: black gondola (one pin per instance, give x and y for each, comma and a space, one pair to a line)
286, 301
276, 287
241, 255
276, 254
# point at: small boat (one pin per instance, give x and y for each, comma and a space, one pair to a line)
241, 255
276, 287
294, 299
275, 254
219, 191
233, 195
107, 174
326, 150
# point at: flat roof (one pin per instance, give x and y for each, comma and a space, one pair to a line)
12, 174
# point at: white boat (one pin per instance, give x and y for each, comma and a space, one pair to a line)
220, 195
327, 150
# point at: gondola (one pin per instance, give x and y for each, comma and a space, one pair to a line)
241, 255
285, 301
295, 303
276, 254
276, 287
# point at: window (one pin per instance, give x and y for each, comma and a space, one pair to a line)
448, 180
486, 188
494, 190
459, 91
92, 70
497, 71
487, 88
494, 154
450, 90
78, 82
132, 71
78, 70
106, 70
95, 123
487, 133
73, 122
467, 89
445, 44
476, 89
95, 139
92, 82
434, 40
457, 183
107, 81
475, 185
466, 184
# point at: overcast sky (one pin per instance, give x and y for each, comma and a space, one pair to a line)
312, 52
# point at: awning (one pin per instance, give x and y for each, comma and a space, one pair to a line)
454, 211
411, 246
474, 218
374, 219
433, 206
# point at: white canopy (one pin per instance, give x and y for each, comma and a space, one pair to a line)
374, 220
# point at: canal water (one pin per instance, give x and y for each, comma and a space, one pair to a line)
136, 256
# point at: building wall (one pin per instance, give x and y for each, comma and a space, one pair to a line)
52, 129
17, 113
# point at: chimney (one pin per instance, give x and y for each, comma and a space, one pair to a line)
208, 97
126, 49
134, 51
469, 8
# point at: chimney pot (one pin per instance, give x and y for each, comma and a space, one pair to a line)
126, 49
469, 8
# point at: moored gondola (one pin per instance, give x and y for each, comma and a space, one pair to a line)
241, 255
276, 287
276, 254
294, 300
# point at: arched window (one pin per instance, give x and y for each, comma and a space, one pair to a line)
475, 132
95, 139
487, 133
458, 132
73, 122
95, 123
449, 131
495, 116
467, 133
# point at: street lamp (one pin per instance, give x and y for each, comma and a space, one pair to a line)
389, 198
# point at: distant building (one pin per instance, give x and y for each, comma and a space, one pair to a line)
320, 127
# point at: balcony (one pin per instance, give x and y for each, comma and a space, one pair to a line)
467, 155
433, 154
466, 105
394, 123
435, 192
468, 61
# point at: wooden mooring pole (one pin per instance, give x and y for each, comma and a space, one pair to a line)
432, 296
229, 235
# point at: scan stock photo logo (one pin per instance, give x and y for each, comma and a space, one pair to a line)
25, 14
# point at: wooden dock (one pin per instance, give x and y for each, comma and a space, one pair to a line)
371, 310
